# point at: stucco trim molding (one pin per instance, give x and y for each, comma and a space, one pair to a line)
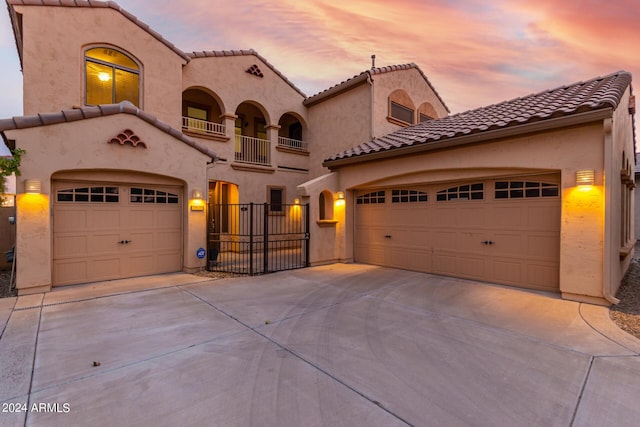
252, 168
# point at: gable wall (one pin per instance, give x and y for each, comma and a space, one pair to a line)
413, 84
53, 60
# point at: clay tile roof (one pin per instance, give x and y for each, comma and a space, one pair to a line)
355, 80
595, 94
90, 3
217, 53
125, 107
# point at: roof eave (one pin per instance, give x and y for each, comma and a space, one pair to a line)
337, 90
511, 131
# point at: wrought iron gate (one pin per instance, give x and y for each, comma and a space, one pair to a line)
257, 238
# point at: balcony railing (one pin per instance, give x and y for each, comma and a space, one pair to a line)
252, 150
296, 144
202, 126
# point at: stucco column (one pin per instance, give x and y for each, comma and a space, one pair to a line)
229, 121
33, 244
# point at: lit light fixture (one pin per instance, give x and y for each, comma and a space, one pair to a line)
196, 195
296, 201
104, 77
32, 186
585, 177
340, 198
340, 195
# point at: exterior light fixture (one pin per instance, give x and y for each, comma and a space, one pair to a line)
32, 186
196, 195
340, 195
296, 201
340, 198
585, 177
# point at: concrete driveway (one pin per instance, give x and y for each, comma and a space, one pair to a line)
338, 345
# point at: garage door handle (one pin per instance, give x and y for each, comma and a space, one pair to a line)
487, 242
125, 242
387, 236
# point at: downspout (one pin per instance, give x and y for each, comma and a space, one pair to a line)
609, 176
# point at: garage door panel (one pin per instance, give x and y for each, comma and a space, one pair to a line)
507, 271
507, 216
104, 219
70, 245
105, 268
69, 220
70, 272
541, 246
543, 275
543, 217
506, 235
87, 233
470, 217
102, 243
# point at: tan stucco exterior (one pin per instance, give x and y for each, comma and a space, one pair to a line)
86, 154
246, 97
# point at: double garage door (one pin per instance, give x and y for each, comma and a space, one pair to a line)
499, 230
104, 231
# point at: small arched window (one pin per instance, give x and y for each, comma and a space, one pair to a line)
325, 205
110, 77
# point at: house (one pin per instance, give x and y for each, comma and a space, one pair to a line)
136, 153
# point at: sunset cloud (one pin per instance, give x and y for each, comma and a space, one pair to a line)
474, 53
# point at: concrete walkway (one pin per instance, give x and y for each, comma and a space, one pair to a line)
338, 345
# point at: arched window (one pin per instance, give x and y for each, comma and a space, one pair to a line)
111, 77
325, 205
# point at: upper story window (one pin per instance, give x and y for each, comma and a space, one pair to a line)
401, 108
111, 77
401, 112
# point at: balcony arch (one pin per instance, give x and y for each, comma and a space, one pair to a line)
251, 144
202, 113
291, 133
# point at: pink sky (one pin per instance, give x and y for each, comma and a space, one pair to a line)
473, 54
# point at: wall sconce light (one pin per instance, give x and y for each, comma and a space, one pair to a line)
296, 201
196, 195
340, 198
340, 195
585, 177
32, 186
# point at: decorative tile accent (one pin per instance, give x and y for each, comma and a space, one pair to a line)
127, 136
255, 70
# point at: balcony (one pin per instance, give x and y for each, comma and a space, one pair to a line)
202, 127
290, 143
252, 150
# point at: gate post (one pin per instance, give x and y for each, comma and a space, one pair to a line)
265, 240
307, 236
251, 239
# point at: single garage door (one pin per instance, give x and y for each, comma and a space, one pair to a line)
105, 231
503, 230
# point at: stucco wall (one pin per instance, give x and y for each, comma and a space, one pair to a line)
618, 136
565, 151
339, 123
83, 145
53, 59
